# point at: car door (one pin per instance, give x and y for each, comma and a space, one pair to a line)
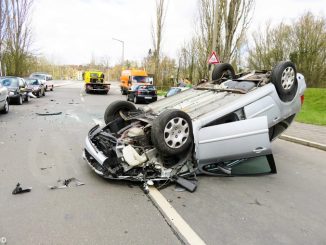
235, 140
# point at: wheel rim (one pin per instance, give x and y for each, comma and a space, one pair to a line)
176, 132
288, 77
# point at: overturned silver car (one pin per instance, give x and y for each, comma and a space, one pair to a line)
214, 128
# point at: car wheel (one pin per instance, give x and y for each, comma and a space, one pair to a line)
284, 78
5, 109
112, 111
136, 101
52, 88
223, 70
20, 100
38, 94
172, 132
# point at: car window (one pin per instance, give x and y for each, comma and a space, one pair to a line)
9, 82
140, 79
134, 87
148, 87
40, 76
32, 82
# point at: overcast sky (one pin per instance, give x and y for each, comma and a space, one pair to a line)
72, 31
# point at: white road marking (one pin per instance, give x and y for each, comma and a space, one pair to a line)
174, 219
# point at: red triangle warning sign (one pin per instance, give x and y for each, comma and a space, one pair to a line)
213, 59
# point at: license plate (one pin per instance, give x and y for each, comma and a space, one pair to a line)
148, 98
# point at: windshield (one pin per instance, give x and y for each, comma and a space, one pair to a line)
148, 87
32, 82
9, 82
140, 79
40, 76
173, 91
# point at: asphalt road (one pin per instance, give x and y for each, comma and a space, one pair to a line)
287, 208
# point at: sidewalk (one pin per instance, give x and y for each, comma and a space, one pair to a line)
306, 134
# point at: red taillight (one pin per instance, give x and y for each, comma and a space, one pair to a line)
302, 99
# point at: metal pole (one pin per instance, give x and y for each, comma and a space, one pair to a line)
123, 49
217, 6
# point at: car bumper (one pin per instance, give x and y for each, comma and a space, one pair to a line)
94, 158
147, 97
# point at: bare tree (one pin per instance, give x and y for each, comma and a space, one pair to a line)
19, 37
157, 36
302, 42
222, 25
4, 12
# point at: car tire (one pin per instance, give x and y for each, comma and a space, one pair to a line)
38, 94
5, 109
20, 100
223, 70
284, 78
172, 132
112, 111
51, 89
136, 101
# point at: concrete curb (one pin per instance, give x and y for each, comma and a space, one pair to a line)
303, 142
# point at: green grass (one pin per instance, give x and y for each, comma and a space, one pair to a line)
314, 107
161, 92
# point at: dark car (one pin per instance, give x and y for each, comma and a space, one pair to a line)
36, 86
17, 87
142, 93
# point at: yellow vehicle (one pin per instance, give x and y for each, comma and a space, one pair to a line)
130, 77
94, 81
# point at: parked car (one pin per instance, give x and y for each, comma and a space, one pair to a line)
36, 86
44, 78
4, 99
223, 127
175, 90
142, 93
17, 87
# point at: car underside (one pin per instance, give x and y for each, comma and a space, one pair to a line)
210, 129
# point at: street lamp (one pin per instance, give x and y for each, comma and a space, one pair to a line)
123, 48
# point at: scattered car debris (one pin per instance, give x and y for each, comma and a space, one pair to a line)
65, 183
20, 190
49, 114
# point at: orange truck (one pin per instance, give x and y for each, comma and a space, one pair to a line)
132, 77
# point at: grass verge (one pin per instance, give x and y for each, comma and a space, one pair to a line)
314, 107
